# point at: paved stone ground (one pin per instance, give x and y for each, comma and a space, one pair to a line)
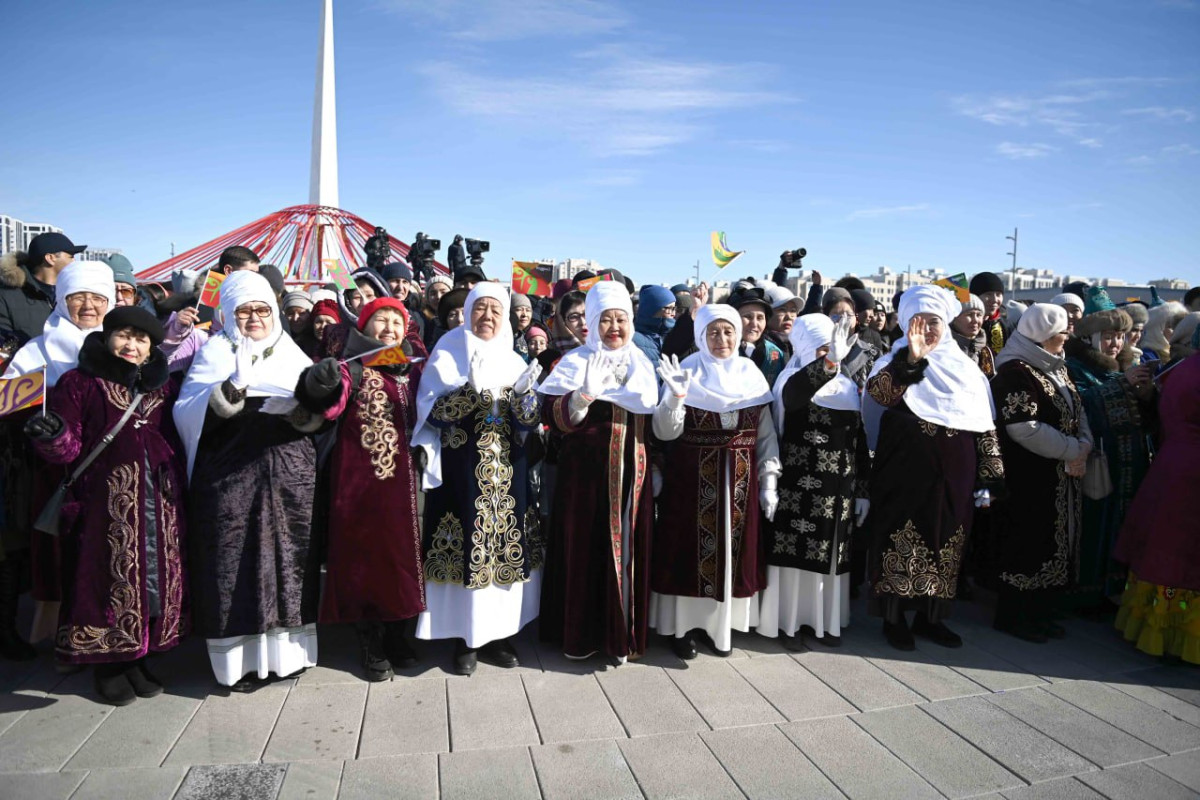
1087, 717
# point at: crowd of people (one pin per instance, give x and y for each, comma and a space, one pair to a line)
610, 461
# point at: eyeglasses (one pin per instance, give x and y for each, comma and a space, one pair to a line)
126, 291
245, 312
574, 318
79, 298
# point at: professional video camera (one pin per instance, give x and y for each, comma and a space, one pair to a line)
420, 256
475, 249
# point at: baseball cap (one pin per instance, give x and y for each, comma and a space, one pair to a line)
44, 244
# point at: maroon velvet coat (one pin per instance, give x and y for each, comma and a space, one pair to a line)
373, 566
602, 466
122, 530
689, 554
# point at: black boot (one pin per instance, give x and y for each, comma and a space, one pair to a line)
395, 643
12, 646
466, 659
144, 684
936, 632
374, 659
898, 635
112, 685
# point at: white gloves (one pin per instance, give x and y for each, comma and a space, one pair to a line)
656, 480
243, 362
983, 499
598, 376
839, 346
674, 377
768, 497
528, 380
862, 507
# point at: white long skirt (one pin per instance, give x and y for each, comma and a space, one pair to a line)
283, 651
673, 615
479, 615
796, 597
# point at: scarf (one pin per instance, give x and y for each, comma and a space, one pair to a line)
637, 386
722, 384
809, 334
449, 367
278, 361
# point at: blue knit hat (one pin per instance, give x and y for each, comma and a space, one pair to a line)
1097, 300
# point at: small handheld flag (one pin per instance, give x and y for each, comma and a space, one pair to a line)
386, 357
338, 273
530, 277
957, 284
21, 392
210, 295
588, 283
721, 254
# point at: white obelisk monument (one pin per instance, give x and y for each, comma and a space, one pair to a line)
323, 181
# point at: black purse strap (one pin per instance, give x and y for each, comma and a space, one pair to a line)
106, 441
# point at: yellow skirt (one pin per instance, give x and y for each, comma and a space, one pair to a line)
1161, 619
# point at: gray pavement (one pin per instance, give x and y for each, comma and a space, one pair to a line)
1086, 717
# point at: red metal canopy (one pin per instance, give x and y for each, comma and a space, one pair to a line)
295, 239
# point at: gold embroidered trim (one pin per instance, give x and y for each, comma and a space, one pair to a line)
120, 397
125, 599
453, 438
497, 553
377, 431
1018, 402
172, 595
910, 570
884, 389
991, 465
444, 561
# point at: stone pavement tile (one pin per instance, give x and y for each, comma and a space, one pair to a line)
15, 673
40, 785
677, 765
141, 783
490, 710
45, 738
765, 763
1146, 722
411, 777
231, 728
504, 772
918, 670
1182, 682
405, 716
722, 696
1095, 740
792, 689
1183, 769
591, 770
571, 707
232, 782
857, 680
14, 705
648, 702
1032, 755
981, 666
1052, 661
137, 735
1062, 789
857, 764
755, 646
311, 780
337, 659
952, 764
1169, 703
321, 721
1136, 782
1114, 658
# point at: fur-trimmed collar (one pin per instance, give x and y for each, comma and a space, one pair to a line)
97, 361
13, 274
1095, 361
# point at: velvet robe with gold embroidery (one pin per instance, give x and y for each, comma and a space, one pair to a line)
124, 582
597, 592
922, 487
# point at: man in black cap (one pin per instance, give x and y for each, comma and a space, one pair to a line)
864, 311
399, 279
27, 283
990, 289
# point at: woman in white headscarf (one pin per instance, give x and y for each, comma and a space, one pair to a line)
708, 561
252, 472
822, 492
936, 455
483, 550
599, 398
1045, 440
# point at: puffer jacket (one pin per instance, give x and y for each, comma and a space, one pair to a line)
24, 306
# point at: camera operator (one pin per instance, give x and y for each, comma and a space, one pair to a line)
793, 259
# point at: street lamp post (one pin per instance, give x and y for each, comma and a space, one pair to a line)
1014, 261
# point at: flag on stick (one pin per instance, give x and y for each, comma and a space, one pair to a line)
721, 254
383, 356
210, 295
588, 283
530, 277
957, 284
338, 273
25, 391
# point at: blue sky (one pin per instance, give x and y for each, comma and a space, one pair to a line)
871, 133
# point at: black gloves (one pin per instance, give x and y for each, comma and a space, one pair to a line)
44, 427
323, 379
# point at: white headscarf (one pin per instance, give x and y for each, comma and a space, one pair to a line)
57, 349
449, 366
953, 393
722, 384
638, 391
809, 334
277, 365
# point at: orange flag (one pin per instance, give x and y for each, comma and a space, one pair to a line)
210, 295
386, 358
